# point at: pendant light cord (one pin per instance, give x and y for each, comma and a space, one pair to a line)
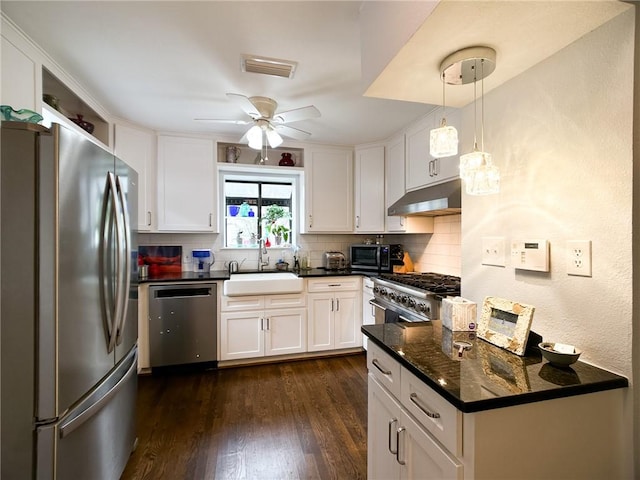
482, 103
475, 112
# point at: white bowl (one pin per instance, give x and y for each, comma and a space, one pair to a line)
556, 358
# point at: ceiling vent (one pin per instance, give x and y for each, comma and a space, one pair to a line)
268, 66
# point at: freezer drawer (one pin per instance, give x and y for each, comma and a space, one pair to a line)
182, 324
95, 438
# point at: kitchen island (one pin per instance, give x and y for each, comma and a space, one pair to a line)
483, 412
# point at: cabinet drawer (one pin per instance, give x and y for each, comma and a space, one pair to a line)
433, 412
384, 369
235, 304
332, 284
284, 301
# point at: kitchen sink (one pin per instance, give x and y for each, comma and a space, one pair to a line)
264, 283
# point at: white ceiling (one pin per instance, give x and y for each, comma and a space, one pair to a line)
161, 64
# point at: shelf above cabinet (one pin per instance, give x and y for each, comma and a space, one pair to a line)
71, 106
249, 156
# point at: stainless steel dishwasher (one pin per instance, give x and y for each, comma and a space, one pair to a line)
182, 324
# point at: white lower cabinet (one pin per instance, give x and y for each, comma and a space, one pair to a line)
259, 326
414, 433
335, 313
399, 446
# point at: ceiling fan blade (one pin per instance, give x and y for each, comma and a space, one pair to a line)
245, 104
291, 132
221, 120
297, 114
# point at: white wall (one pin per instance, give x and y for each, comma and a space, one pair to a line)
562, 134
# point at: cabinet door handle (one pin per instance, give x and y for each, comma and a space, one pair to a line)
418, 403
398, 432
262, 324
211, 219
332, 304
380, 367
268, 324
436, 165
310, 221
148, 219
357, 221
431, 168
337, 304
391, 422
334, 284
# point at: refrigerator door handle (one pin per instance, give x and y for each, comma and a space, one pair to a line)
76, 421
110, 304
125, 280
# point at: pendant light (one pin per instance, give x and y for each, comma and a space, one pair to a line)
443, 141
477, 171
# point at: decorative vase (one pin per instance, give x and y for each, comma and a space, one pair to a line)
287, 160
83, 124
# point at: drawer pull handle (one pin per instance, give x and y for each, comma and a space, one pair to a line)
391, 422
380, 367
414, 398
398, 432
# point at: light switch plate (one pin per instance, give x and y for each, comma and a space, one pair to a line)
579, 257
493, 251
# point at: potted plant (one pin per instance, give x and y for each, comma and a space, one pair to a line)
280, 232
273, 215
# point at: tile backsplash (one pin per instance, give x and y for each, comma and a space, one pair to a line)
436, 252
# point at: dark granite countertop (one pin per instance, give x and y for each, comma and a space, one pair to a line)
186, 276
486, 377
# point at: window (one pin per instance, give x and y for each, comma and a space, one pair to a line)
259, 206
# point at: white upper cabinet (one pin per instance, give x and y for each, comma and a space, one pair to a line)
137, 148
369, 190
394, 190
19, 73
328, 191
186, 184
421, 168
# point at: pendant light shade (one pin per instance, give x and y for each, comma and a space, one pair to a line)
443, 141
483, 180
477, 171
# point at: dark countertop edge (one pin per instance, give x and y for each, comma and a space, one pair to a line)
224, 275
508, 401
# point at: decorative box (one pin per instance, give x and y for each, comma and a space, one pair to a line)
459, 314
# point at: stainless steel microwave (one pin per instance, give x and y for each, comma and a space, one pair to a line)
371, 258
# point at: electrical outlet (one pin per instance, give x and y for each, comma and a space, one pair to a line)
493, 251
579, 257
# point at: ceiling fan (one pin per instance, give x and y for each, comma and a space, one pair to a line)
267, 123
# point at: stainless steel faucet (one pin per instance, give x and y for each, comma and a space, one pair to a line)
261, 251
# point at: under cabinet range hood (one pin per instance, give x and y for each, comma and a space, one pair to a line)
442, 199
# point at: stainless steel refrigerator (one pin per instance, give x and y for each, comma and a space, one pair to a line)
68, 306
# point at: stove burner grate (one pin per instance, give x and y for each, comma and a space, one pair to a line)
433, 282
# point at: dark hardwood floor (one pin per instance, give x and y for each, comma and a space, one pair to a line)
297, 420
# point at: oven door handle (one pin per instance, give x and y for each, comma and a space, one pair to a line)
377, 305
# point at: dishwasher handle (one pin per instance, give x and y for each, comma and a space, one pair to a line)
182, 292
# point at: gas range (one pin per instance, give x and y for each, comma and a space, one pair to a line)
413, 296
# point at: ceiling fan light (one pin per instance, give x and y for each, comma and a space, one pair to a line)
273, 138
254, 137
443, 141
